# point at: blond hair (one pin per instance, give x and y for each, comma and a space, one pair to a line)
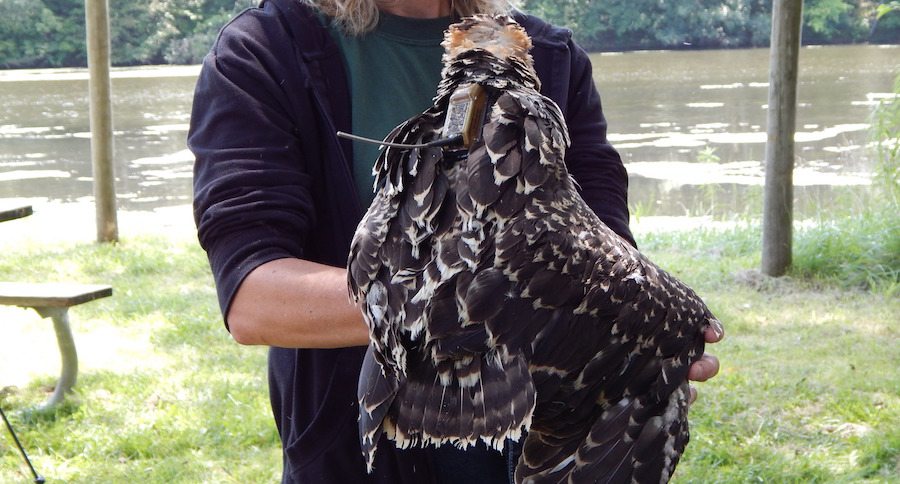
356, 17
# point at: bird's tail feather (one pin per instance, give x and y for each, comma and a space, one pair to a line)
376, 391
462, 402
635, 440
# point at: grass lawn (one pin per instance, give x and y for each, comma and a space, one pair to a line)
809, 389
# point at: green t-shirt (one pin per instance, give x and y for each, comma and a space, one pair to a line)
394, 72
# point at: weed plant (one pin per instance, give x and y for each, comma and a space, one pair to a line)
861, 246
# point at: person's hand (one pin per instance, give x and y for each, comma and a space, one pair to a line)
708, 365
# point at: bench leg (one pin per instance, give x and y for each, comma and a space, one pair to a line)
67, 352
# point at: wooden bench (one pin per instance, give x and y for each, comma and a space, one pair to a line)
13, 213
53, 300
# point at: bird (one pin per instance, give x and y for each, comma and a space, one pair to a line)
500, 308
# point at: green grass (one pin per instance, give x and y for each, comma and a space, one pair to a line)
854, 251
809, 389
201, 415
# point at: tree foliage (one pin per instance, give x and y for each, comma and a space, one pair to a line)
24, 25
673, 24
50, 33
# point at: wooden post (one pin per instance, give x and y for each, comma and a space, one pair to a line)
96, 13
782, 114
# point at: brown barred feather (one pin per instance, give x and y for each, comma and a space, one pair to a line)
498, 303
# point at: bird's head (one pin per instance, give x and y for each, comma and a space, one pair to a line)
500, 35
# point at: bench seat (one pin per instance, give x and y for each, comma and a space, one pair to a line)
53, 300
50, 294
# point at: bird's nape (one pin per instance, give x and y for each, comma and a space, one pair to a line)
500, 35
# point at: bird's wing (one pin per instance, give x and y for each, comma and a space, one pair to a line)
381, 250
491, 288
435, 296
467, 332
609, 335
612, 401
624, 414
405, 263
380, 254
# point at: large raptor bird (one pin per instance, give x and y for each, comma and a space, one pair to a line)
499, 306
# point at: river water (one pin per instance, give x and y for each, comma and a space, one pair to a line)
690, 125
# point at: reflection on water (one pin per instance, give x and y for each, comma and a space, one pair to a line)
690, 126
45, 135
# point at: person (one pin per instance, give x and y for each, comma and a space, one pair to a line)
278, 196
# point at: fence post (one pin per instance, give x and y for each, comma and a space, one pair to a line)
96, 14
782, 114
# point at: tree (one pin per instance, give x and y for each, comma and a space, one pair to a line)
885, 23
24, 27
833, 20
50, 33
640, 24
137, 32
67, 46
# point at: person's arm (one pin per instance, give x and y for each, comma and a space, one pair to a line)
591, 160
252, 196
267, 308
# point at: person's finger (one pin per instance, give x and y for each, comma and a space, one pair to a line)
693, 394
704, 368
714, 332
